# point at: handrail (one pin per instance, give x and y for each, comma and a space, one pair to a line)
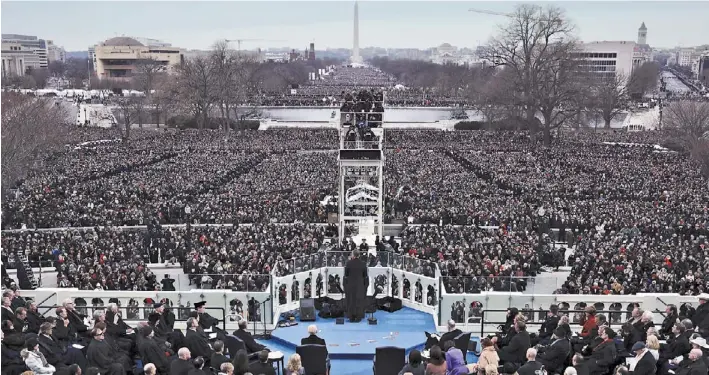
561, 312
177, 316
45, 300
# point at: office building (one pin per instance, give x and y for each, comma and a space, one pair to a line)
116, 58
55, 53
32, 43
609, 57
685, 56
18, 59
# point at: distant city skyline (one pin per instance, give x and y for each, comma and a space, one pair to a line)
416, 24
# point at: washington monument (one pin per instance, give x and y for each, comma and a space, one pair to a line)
356, 58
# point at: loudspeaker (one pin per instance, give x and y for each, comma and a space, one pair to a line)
307, 310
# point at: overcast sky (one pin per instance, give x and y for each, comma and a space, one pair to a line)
418, 24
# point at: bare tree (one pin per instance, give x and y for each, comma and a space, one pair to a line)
609, 96
125, 115
77, 71
539, 48
197, 89
226, 68
57, 68
146, 73
687, 120
643, 79
31, 127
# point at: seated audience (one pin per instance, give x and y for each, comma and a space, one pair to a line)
241, 362
263, 366
34, 359
294, 366
415, 365
531, 367
183, 364
251, 345
488, 355
218, 357
436, 362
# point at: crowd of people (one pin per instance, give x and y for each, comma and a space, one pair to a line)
639, 347
74, 343
328, 91
643, 209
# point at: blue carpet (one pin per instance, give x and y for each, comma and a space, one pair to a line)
404, 328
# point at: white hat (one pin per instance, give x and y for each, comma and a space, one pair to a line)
701, 341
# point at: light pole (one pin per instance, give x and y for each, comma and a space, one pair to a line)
188, 212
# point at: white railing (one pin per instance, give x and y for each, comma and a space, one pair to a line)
317, 276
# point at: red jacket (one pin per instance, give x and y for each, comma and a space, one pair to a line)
588, 326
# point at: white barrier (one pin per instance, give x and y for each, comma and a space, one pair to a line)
473, 312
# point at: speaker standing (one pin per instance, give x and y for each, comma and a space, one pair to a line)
356, 282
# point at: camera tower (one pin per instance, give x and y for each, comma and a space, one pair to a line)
361, 171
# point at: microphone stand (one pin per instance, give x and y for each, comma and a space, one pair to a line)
265, 335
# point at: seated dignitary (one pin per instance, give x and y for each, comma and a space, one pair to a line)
34, 359
76, 319
314, 339
150, 351
198, 368
57, 354
251, 345
678, 346
116, 326
601, 353
34, 318
102, 356
12, 339
532, 366
516, 351
668, 324
645, 362
65, 330
183, 364
218, 357
125, 345
554, 355
263, 366
695, 364
551, 321
163, 322
196, 342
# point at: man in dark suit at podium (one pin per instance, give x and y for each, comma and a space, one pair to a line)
356, 283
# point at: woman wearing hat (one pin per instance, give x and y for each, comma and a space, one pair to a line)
34, 359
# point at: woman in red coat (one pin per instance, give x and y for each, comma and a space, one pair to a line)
589, 321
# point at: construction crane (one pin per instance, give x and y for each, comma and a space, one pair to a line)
238, 41
483, 11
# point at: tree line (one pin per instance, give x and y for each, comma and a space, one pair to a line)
534, 72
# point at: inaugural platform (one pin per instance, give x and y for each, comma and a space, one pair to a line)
404, 328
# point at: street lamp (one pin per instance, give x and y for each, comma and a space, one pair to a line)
188, 212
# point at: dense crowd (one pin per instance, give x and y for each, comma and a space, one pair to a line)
74, 342
643, 209
328, 91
